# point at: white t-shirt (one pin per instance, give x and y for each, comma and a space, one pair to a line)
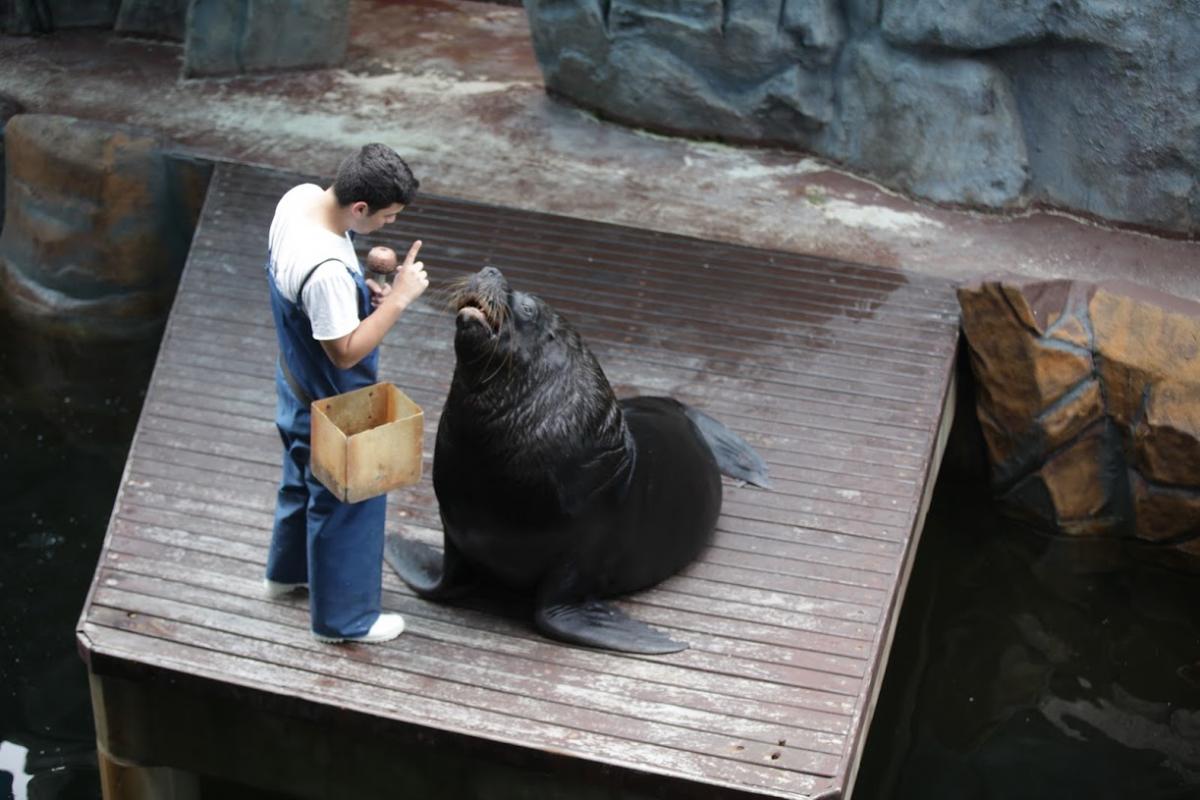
297, 244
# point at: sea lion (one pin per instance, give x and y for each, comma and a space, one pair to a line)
547, 484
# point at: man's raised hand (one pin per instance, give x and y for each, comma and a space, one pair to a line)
411, 280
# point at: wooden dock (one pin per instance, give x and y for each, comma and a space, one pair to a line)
839, 374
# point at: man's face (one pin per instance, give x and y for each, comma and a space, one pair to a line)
366, 222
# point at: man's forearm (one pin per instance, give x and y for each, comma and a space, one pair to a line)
356, 345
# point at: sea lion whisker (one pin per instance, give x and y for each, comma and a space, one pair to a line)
491, 354
496, 371
441, 296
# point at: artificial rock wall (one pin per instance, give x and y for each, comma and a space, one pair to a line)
1091, 105
1089, 402
9, 108
220, 37
98, 221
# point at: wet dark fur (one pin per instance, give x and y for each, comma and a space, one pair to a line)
547, 484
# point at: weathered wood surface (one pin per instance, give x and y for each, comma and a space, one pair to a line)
837, 373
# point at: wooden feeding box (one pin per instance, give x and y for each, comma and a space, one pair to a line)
367, 442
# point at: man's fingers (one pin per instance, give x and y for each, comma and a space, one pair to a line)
412, 252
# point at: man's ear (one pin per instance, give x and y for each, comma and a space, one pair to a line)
360, 209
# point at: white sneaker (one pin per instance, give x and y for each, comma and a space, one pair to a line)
384, 629
276, 589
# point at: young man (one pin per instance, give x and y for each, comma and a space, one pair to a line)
329, 322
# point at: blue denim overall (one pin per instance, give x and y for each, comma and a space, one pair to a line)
335, 547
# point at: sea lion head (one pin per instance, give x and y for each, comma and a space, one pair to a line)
525, 382
506, 336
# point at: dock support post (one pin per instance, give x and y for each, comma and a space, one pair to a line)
121, 778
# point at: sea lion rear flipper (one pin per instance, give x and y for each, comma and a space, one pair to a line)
734, 456
598, 624
432, 575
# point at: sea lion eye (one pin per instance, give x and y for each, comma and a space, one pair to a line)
527, 309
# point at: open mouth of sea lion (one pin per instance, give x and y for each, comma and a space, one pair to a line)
481, 299
473, 311
477, 309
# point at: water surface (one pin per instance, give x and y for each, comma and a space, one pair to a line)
1028, 667
67, 415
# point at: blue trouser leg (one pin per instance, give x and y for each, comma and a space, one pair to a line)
287, 559
345, 562
336, 547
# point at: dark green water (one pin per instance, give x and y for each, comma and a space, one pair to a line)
67, 415
1033, 668
1024, 668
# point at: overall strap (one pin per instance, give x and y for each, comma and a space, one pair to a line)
303, 283
304, 397
297, 390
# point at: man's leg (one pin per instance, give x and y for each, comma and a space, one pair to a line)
287, 559
345, 567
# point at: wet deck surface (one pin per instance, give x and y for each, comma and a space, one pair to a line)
835, 373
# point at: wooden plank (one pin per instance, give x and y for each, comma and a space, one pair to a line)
783, 434
738, 393
595, 272
702, 580
786, 496
823, 570
801, 496
431, 371
430, 678
820, 650
786, 479
783, 431
751, 718
239, 661
741, 278
827, 688
800, 513
833, 575
789, 370
596, 319
659, 247
800, 650
438, 665
880, 344
810, 409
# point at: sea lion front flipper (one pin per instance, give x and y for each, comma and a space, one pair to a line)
598, 624
432, 575
735, 457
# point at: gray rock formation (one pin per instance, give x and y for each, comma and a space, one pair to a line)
227, 37
1090, 105
163, 19
941, 127
43, 16
221, 37
711, 68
